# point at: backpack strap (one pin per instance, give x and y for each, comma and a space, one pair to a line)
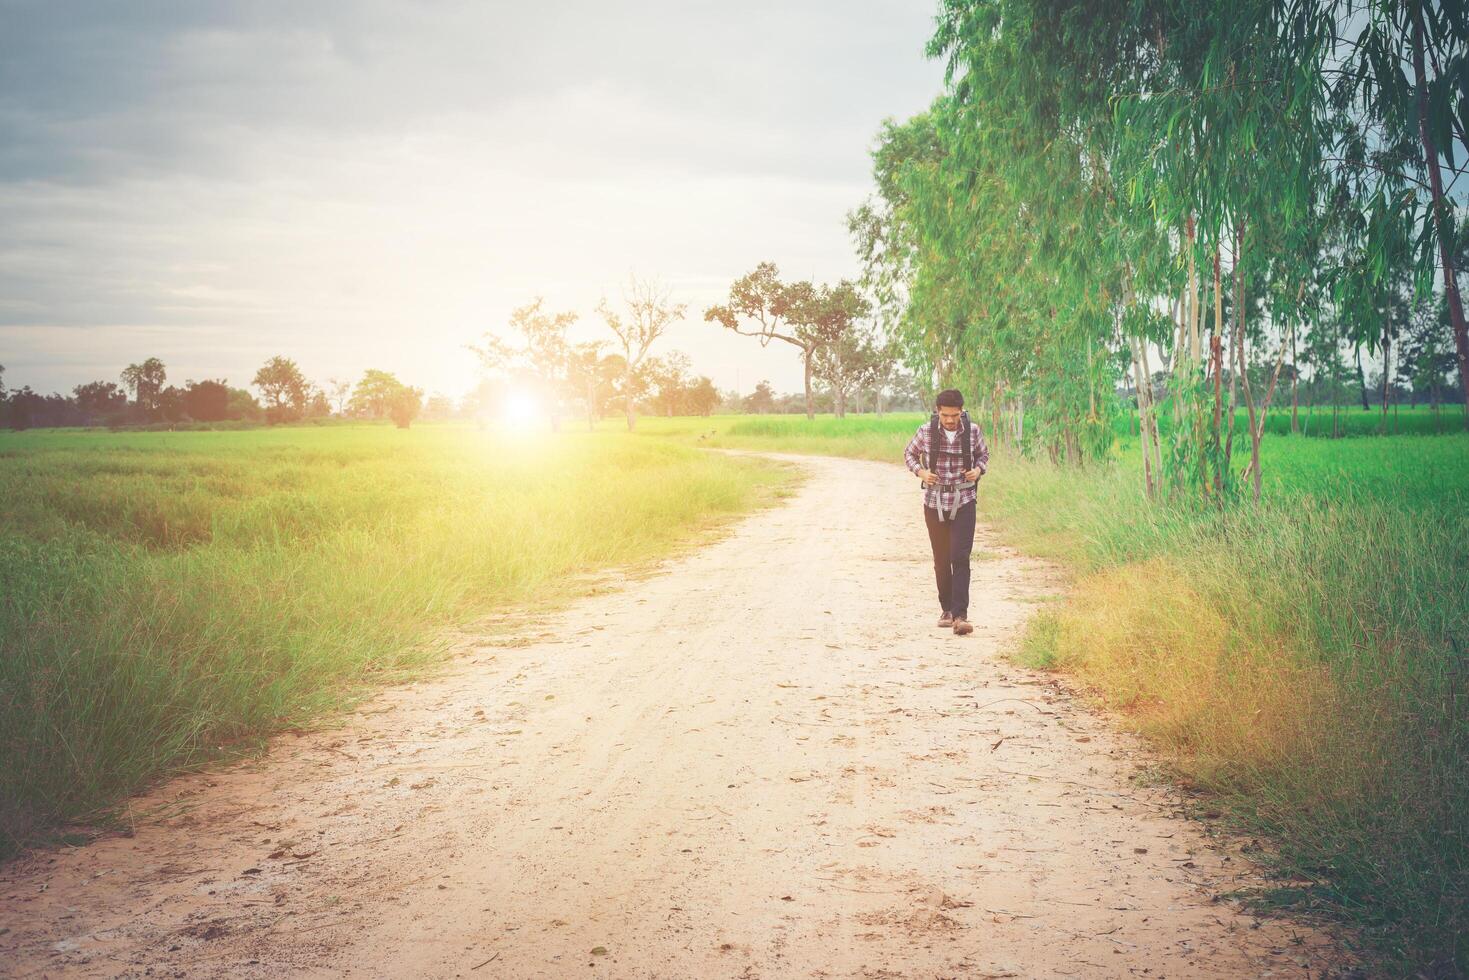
964, 428
933, 442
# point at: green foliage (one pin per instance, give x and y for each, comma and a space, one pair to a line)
284, 388
1101, 181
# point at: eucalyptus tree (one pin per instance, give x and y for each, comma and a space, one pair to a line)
1098, 177
1399, 70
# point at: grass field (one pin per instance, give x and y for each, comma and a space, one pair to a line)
1305, 660
1349, 421
168, 598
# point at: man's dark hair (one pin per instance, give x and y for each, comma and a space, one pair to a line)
951, 398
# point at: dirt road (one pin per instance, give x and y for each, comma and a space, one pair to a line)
764, 761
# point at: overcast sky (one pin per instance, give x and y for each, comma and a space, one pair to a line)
375, 183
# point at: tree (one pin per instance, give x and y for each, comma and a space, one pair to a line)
844, 354
669, 378
206, 401
380, 393
761, 400
1398, 66
338, 391
242, 405
649, 314
21, 404
1428, 351
144, 381
404, 404
479, 404
98, 399
284, 389
590, 375
373, 395
318, 405
762, 306
540, 358
702, 397
170, 405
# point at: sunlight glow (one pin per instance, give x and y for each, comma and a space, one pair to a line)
520, 412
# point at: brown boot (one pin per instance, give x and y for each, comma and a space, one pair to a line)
946, 620
962, 626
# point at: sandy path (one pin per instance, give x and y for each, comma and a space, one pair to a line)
764, 761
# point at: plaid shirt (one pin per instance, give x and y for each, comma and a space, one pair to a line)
948, 464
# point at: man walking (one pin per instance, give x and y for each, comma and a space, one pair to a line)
949, 455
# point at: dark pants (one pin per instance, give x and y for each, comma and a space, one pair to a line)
952, 541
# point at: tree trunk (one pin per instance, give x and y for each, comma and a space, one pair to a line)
1194, 312
1295, 375
1216, 350
1179, 356
1152, 416
1250, 408
1362, 383
1239, 329
1438, 206
810, 403
1142, 397
1091, 382
627, 397
1386, 372
995, 401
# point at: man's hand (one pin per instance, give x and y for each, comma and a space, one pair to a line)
972, 475
928, 477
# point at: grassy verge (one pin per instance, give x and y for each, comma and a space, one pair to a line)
166, 598
1306, 659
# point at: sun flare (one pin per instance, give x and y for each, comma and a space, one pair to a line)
520, 411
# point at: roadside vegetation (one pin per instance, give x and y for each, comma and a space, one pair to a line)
171, 598
1301, 660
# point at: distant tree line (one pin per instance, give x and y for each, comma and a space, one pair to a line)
588, 381
142, 397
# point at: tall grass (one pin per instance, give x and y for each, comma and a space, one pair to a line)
164, 596
1306, 659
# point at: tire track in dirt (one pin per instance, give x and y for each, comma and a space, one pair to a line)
763, 761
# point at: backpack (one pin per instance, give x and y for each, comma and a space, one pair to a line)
935, 433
